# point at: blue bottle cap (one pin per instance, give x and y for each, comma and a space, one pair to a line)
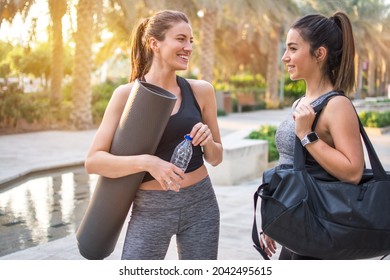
188, 137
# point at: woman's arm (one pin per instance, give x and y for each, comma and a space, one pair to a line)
339, 150
211, 139
100, 161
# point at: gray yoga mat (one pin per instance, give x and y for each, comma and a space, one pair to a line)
141, 126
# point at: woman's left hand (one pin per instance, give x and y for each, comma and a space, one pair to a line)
201, 134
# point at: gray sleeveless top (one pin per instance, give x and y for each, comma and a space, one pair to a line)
285, 134
285, 140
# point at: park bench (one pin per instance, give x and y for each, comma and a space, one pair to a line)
246, 99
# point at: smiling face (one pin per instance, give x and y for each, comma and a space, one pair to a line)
300, 63
175, 50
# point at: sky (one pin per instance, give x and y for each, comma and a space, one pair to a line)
19, 30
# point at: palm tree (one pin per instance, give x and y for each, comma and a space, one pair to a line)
220, 25
57, 11
367, 18
273, 18
386, 40
209, 19
81, 87
8, 9
121, 16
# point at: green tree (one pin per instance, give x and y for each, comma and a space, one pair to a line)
35, 62
5, 64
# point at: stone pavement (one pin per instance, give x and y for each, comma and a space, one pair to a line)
21, 154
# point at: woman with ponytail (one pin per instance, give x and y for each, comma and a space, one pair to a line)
321, 51
169, 201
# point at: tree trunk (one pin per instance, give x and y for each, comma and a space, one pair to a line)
381, 78
371, 74
359, 78
81, 87
57, 11
207, 55
271, 94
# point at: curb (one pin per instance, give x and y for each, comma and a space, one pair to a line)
377, 130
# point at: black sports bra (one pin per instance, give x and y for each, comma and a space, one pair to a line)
178, 126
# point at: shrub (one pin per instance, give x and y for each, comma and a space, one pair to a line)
375, 119
221, 112
267, 132
293, 90
16, 105
247, 81
101, 95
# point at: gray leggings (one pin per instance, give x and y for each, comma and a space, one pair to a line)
192, 214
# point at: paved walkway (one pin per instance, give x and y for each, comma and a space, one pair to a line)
21, 154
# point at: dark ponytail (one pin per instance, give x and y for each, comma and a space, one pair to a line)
345, 73
335, 34
141, 54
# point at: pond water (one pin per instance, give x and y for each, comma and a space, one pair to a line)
43, 208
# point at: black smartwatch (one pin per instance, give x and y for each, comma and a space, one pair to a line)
309, 138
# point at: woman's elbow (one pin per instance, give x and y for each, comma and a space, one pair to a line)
215, 157
356, 180
215, 161
355, 177
88, 165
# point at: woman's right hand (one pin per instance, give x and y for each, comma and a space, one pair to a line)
169, 176
268, 244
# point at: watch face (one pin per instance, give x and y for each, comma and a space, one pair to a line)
312, 137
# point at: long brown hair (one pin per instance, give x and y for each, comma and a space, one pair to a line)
156, 27
335, 34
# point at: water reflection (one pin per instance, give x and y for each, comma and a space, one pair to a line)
43, 209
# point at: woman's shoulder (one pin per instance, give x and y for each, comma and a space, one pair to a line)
339, 110
340, 103
119, 97
122, 91
203, 91
124, 88
200, 86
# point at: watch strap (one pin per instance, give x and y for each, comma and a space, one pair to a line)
309, 138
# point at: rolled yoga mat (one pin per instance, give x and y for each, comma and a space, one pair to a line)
141, 126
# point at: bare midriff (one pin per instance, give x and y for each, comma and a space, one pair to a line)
190, 179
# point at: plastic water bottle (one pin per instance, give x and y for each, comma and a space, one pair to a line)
182, 154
